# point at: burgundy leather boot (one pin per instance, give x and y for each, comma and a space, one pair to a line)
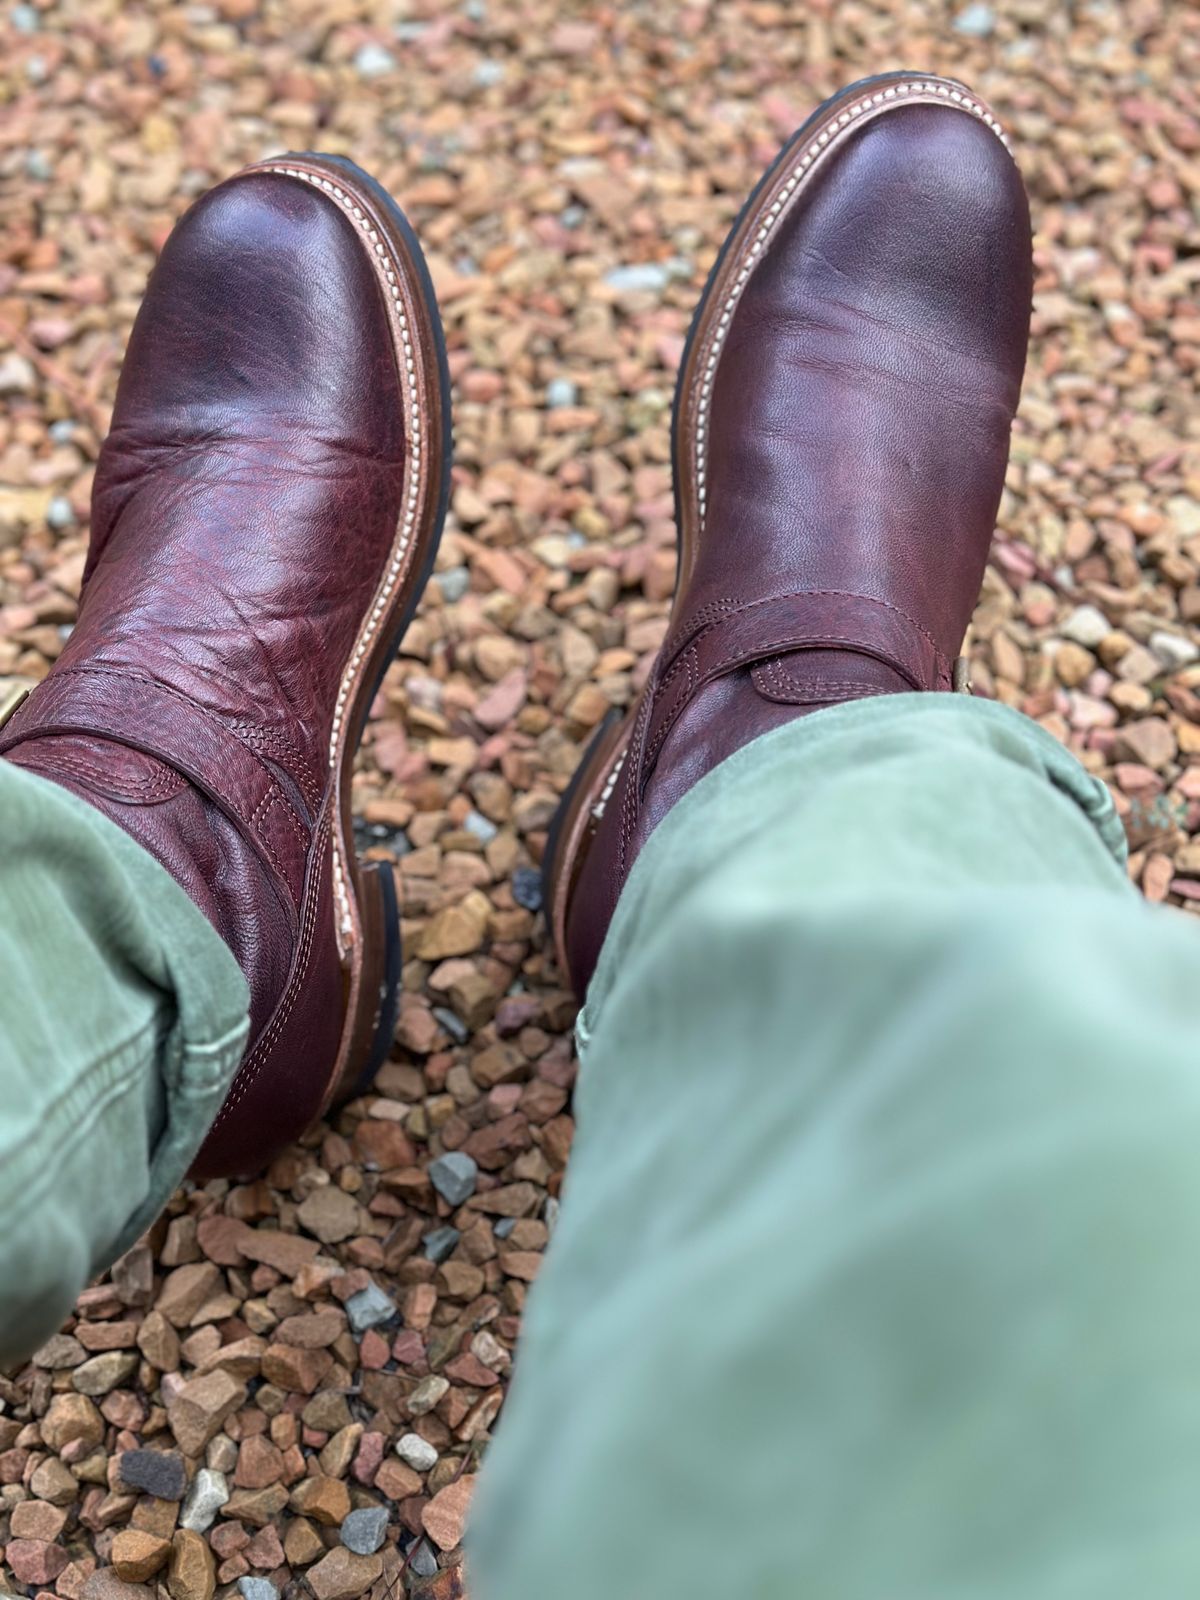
840, 438
266, 510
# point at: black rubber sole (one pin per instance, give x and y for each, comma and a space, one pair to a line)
385, 1030
389, 1000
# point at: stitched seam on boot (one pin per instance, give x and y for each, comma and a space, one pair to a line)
820, 692
254, 1062
273, 798
274, 742
803, 157
731, 659
736, 607
208, 716
161, 786
785, 681
391, 265
631, 774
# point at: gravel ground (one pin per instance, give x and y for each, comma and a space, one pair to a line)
295, 1354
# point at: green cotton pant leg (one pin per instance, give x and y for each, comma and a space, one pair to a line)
123, 1017
876, 1275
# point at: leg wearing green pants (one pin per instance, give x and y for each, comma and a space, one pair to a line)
122, 1020
875, 1277
874, 1270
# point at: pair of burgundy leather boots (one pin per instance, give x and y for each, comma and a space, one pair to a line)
268, 504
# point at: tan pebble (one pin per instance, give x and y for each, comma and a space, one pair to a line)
444, 1518
296, 1370
158, 1342
192, 1574
302, 1543
71, 1417
341, 1575
324, 1500
185, 1290
201, 1406
37, 1519
137, 1556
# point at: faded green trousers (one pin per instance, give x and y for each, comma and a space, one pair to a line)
123, 1017
876, 1268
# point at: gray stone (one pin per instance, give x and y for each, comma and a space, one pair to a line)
453, 583
976, 21
423, 1561
453, 1024
258, 1589
527, 888
61, 1350
453, 1176
427, 1394
1172, 650
561, 392
1086, 626
643, 278
440, 1243
208, 1493
369, 834
416, 1452
369, 1308
488, 74
372, 60
365, 1530
157, 1472
474, 822
105, 1372
504, 1227
60, 513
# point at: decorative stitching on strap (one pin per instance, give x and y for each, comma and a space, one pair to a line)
778, 683
149, 790
718, 610
793, 634
274, 742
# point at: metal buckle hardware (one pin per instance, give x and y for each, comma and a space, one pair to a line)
11, 699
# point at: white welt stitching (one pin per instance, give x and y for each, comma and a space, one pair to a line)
370, 628
874, 102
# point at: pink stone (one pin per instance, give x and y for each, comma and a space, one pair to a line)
265, 1551
227, 1538
35, 1560
500, 705
515, 1011
370, 1455
408, 1347
373, 1352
